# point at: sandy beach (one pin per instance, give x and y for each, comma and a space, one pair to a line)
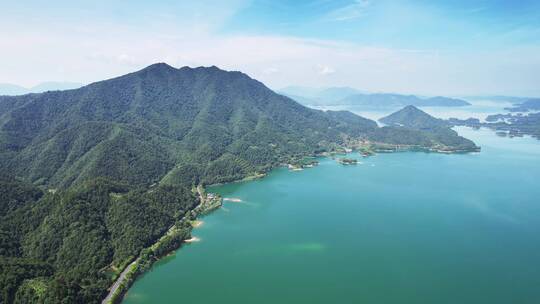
196, 223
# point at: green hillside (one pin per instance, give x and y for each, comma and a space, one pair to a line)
412, 118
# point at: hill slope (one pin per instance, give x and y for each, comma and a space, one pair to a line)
412, 118
142, 124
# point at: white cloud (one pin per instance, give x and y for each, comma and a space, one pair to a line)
94, 52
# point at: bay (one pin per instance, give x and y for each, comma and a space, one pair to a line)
397, 228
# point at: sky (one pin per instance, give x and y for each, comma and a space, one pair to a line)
405, 46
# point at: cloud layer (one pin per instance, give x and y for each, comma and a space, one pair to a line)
88, 51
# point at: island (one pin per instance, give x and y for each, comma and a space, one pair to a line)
347, 161
511, 125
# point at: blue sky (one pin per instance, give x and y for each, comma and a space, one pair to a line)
425, 47
403, 24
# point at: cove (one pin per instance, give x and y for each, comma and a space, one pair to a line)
397, 228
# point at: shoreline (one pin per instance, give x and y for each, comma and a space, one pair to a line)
169, 242
131, 275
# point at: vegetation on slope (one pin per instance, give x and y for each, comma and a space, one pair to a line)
69, 240
435, 130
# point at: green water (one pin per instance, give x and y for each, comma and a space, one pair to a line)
397, 228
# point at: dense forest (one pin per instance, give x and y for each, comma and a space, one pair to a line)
92, 176
60, 247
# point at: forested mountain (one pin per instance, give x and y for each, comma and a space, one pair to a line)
94, 175
414, 118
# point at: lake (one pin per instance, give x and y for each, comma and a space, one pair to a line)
396, 228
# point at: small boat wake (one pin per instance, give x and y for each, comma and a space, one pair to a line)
193, 240
232, 200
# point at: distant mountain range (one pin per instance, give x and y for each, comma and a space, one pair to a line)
345, 96
13, 89
322, 95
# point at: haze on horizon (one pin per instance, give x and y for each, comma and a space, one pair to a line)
411, 46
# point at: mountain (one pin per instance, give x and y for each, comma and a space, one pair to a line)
12, 89
161, 122
92, 177
414, 118
336, 93
306, 92
396, 100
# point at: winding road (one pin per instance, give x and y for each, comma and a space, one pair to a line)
119, 281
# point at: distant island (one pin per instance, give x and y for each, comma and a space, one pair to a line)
347, 161
351, 97
512, 125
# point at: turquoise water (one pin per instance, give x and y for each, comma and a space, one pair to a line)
397, 228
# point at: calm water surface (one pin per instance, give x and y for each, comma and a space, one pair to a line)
397, 228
